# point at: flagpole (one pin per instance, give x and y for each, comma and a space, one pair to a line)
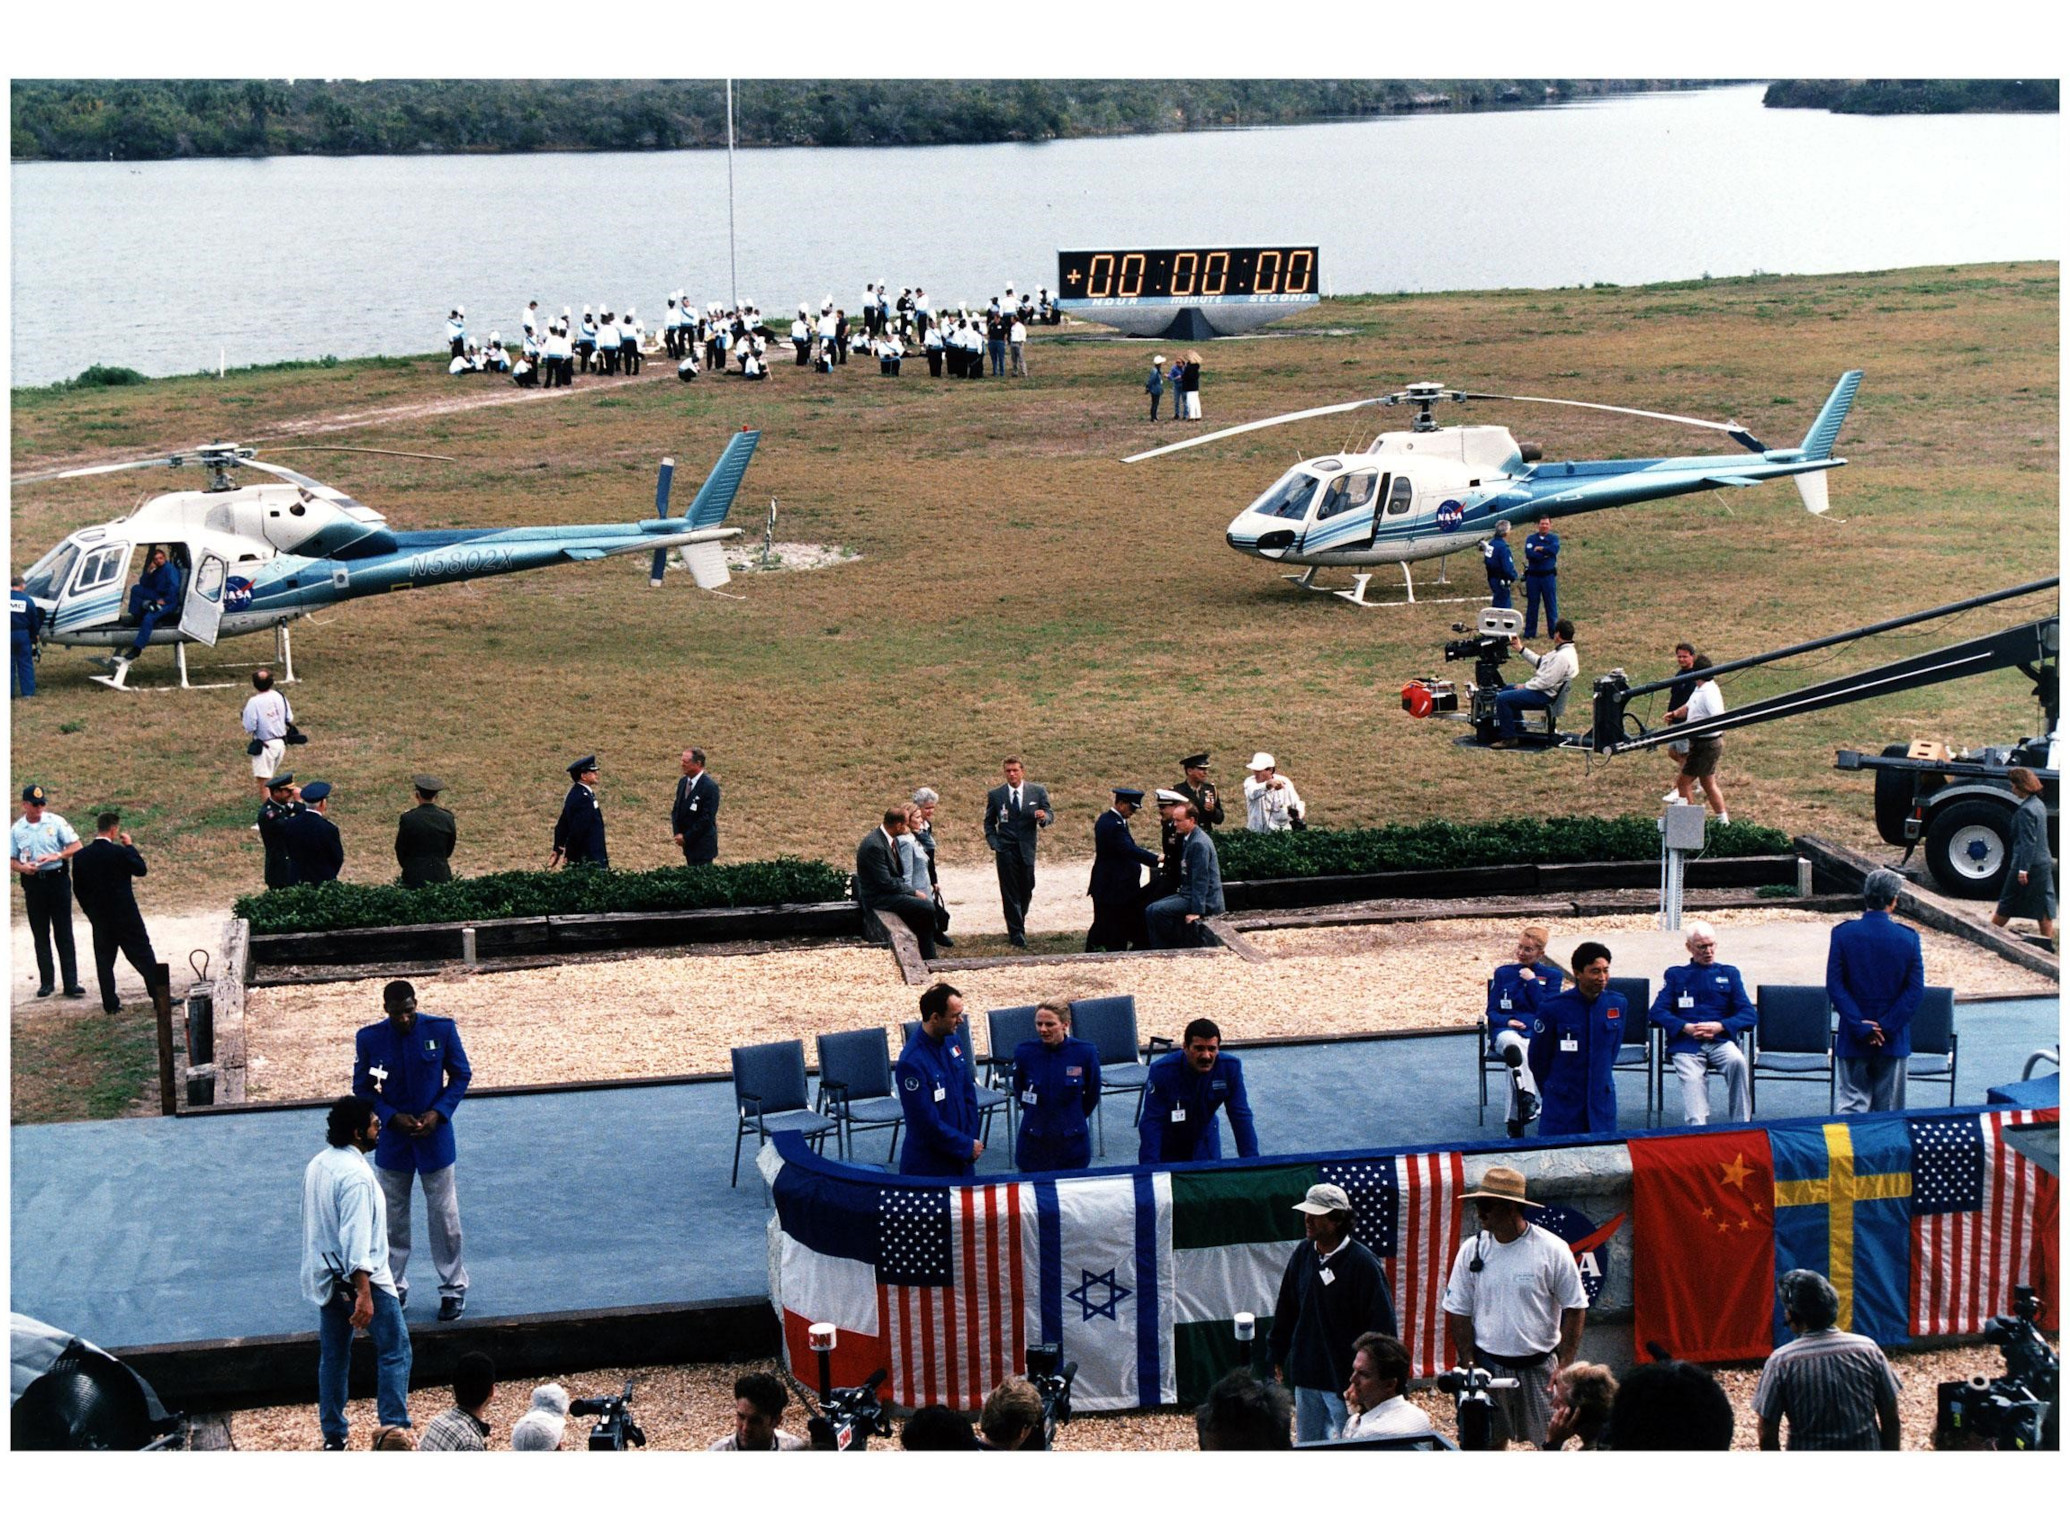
732, 247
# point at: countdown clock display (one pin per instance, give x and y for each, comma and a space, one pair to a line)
1191, 292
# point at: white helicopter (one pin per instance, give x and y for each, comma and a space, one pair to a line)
241, 560
1433, 490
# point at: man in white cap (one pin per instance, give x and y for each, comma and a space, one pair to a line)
542, 1426
1155, 386
1333, 1291
1514, 1305
1271, 805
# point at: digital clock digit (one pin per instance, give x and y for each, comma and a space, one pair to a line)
1201, 274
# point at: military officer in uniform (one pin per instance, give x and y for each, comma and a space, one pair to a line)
1515, 995
1203, 794
937, 1086
425, 836
41, 848
1501, 567
279, 806
1185, 1090
311, 839
1541, 576
578, 838
1056, 1079
1116, 888
695, 816
1576, 1046
101, 877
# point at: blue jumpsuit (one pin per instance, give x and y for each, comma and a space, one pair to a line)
1516, 994
937, 1087
150, 598
1502, 572
24, 620
1572, 1054
1179, 1106
1059, 1089
1541, 582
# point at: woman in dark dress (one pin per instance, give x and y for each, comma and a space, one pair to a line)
2030, 883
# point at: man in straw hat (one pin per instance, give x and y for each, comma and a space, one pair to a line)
1514, 1305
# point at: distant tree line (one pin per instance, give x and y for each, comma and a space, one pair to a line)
1889, 98
182, 119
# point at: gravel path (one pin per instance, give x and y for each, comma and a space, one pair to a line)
660, 1015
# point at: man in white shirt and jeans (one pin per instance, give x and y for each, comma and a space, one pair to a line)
1514, 1305
1554, 671
345, 1271
267, 718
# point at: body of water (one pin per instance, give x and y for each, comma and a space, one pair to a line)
164, 266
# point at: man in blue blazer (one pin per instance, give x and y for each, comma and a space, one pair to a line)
1116, 888
1875, 978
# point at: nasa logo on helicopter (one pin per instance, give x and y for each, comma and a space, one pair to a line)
1430, 491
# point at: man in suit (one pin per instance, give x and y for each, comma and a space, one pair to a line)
1117, 877
1015, 812
578, 836
695, 817
1174, 921
879, 887
311, 839
101, 877
425, 836
1875, 978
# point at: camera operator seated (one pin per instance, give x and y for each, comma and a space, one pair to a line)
1555, 671
1012, 1419
1380, 1373
1836, 1389
758, 1403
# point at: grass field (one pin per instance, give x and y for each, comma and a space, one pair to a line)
1022, 591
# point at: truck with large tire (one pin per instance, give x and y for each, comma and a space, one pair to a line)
1957, 805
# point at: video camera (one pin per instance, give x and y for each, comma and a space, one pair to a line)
1469, 1386
843, 1418
614, 1428
1052, 1376
1488, 646
2015, 1412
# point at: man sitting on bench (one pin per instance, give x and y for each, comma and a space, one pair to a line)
1555, 672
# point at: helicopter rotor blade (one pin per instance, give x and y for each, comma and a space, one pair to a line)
1732, 428
372, 451
1278, 419
97, 469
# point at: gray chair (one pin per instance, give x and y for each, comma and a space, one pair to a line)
1635, 1053
1008, 1028
855, 1083
1793, 1038
1933, 1039
1110, 1025
989, 1100
770, 1095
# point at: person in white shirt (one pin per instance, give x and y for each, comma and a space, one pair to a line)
456, 332
345, 1271
1271, 805
1017, 342
1701, 767
267, 718
758, 1403
1554, 671
1515, 1305
1380, 1372
607, 344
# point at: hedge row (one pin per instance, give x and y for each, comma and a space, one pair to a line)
531, 894
1438, 844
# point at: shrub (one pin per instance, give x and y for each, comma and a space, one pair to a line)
531, 894
1437, 844
98, 376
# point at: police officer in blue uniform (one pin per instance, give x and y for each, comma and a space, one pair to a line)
937, 1086
310, 838
1185, 1090
1702, 1010
1514, 996
24, 625
1576, 1047
1500, 566
1056, 1077
1116, 887
414, 1071
1541, 576
578, 838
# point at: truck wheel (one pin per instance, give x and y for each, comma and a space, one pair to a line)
1966, 847
1893, 798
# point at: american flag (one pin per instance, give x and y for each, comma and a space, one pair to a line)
949, 1291
1406, 1210
1974, 1219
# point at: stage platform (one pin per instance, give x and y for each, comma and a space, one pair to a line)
186, 1233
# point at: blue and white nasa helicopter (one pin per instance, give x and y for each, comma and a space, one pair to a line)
1433, 490
247, 559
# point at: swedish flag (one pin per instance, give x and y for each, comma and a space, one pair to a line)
1843, 1194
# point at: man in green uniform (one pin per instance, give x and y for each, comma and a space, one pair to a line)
1202, 793
425, 836
279, 806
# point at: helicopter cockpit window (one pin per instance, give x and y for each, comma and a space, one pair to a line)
1288, 499
102, 567
46, 580
1349, 492
1400, 497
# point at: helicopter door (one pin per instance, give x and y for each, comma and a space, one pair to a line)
201, 618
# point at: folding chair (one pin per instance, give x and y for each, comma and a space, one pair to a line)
1110, 1025
855, 1083
1934, 1040
1793, 1039
989, 1100
1635, 1052
1008, 1028
769, 1095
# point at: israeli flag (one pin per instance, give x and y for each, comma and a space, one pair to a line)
1102, 1250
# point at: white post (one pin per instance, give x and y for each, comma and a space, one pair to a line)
222, 360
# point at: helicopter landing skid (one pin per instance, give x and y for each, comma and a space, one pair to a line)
1357, 593
117, 677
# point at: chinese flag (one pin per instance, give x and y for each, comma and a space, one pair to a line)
1703, 1245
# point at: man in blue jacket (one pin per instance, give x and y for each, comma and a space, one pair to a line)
937, 1086
1056, 1077
1116, 888
25, 624
1576, 1047
1514, 996
1501, 567
1875, 978
1541, 576
152, 597
414, 1071
1702, 1009
1184, 1091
